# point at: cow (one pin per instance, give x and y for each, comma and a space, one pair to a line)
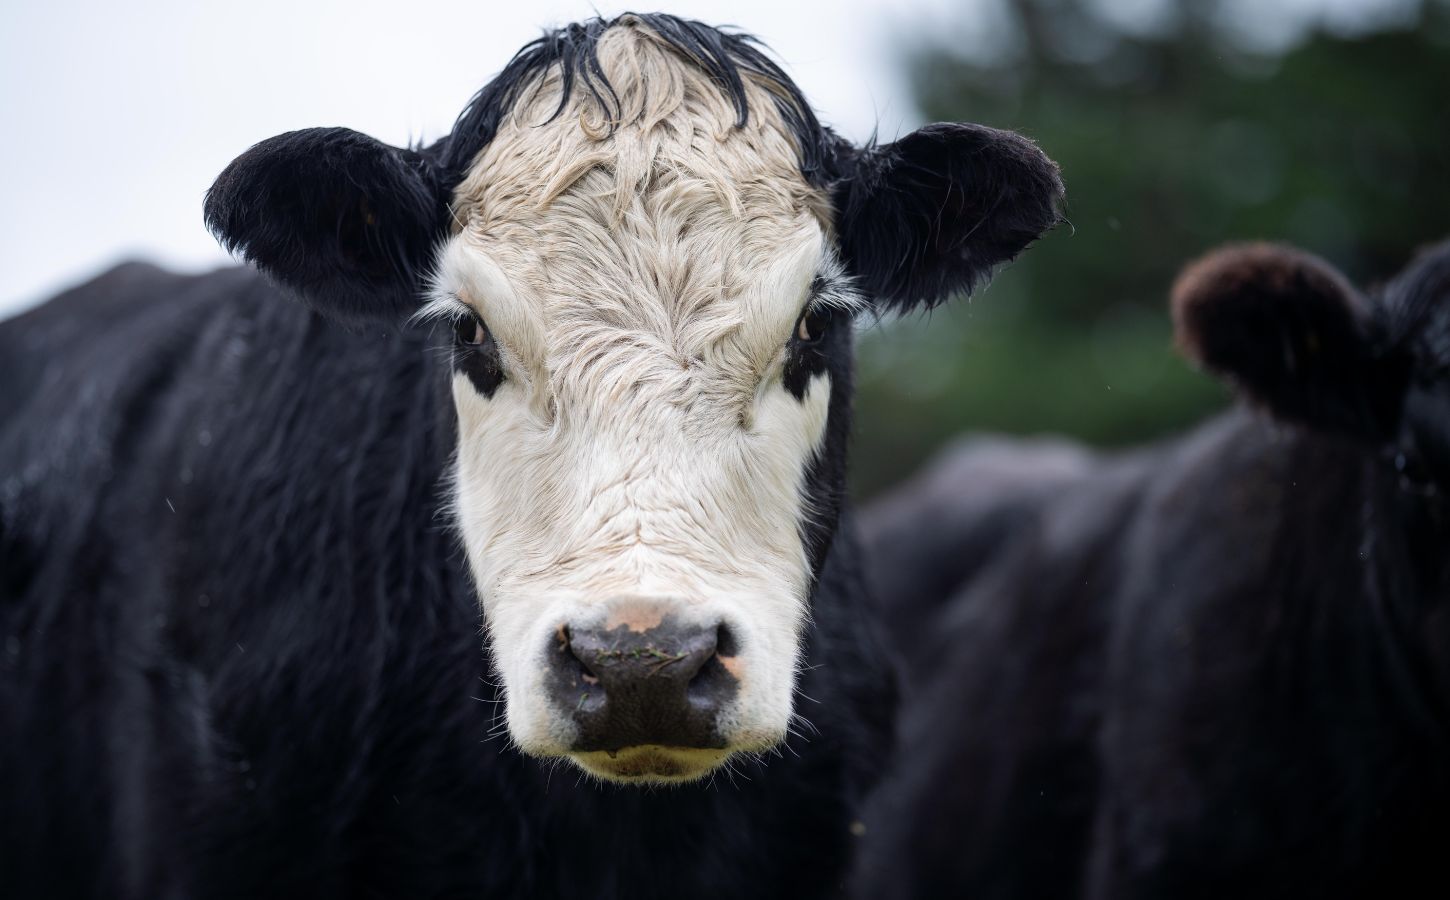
1215, 666
928, 536
482, 536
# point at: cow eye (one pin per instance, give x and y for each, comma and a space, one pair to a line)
811, 326
470, 330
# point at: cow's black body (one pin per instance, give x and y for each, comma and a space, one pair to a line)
929, 536
241, 656
1218, 667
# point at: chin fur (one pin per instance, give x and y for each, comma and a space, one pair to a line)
651, 764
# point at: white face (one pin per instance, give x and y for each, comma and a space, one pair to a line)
640, 451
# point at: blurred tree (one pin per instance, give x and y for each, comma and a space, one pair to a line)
1175, 133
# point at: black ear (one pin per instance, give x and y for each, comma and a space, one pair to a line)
346, 221
1292, 335
933, 213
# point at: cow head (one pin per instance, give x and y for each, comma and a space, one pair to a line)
649, 255
1370, 372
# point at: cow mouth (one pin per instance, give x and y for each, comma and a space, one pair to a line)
651, 764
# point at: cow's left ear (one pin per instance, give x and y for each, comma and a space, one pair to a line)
934, 213
1292, 335
344, 220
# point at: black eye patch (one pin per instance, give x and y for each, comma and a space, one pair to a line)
807, 353
822, 331
476, 353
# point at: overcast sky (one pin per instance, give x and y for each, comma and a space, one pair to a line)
117, 116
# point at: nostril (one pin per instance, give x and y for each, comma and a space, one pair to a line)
725, 644
573, 673
717, 677
579, 660
643, 680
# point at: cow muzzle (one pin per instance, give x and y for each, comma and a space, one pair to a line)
646, 688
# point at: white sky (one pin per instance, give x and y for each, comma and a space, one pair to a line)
117, 116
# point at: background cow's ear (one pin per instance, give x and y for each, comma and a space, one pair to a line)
346, 221
1292, 335
933, 213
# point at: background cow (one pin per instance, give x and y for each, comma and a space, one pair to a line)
960, 513
598, 384
1216, 667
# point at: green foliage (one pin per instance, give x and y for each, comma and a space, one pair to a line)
1170, 143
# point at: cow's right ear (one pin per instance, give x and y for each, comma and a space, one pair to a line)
1291, 334
344, 220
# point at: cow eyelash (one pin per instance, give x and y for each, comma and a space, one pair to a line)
469, 329
829, 300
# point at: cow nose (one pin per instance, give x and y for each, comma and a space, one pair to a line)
627, 686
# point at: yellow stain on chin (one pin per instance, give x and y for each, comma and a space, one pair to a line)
651, 764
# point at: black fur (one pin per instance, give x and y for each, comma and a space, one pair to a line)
929, 536
1418, 330
825, 488
934, 213
1216, 667
347, 222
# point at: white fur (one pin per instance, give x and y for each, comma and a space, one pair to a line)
642, 285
